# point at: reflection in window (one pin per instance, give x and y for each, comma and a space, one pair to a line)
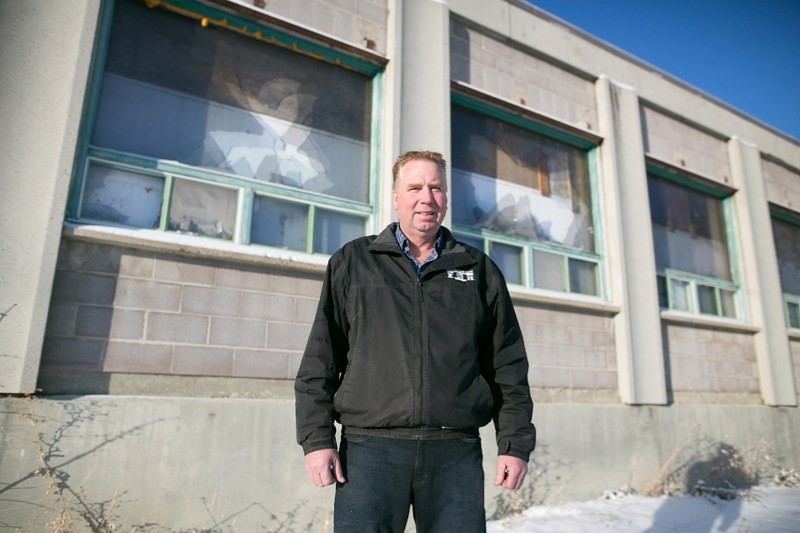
332, 229
691, 247
688, 230
509, 260
203, 209
515, 182
787, 247
212, 98
279, 224
122, 197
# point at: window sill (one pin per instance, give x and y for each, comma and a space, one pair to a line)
193, 246
794, 333
565, 300
678, 317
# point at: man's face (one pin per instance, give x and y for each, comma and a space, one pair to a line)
420, 199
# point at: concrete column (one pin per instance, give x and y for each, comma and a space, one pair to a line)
424, 113
45, 50
760, 277
629, 252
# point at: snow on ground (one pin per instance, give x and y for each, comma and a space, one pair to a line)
763, 509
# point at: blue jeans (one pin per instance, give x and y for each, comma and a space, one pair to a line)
441, 480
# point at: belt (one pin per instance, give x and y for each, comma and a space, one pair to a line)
417, 433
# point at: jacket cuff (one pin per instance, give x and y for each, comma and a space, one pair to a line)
519, 448
318, 443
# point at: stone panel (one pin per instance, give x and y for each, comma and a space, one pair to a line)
497, 68
237, 332
173, 327
710, 360
782, 185
261, 364
138, 357
147, 295
685, 146
202, 361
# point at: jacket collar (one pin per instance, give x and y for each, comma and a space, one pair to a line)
452, 254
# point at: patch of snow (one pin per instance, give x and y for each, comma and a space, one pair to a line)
768, 509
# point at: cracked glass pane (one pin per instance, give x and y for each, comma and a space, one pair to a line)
203, 209
787, 246
516, 182
688, 230
213, 98
122, 197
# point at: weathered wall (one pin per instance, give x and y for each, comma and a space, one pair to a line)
518, 76
685, 146
120, 309
706, 359
181, 464
782, 185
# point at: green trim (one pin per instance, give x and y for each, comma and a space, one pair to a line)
273, 36
166, 203
245, 218
597, 225
522, 122
731, 231
375, 182
312, 219
785, 217
90, 103
687, 182
137, 163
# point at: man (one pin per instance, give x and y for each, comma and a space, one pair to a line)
415, 346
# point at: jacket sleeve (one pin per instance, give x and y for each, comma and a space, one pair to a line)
323, 362
505, 366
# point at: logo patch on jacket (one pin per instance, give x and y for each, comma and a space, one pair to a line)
461, 275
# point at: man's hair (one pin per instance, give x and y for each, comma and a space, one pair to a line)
436, 157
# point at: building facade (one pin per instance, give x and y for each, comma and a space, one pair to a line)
179, 171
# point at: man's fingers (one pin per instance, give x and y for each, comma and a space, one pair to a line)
338, 471
510, 472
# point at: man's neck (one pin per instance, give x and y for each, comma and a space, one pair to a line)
420, 245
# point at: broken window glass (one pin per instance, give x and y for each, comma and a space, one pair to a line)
513, 181
209, 97
203, 209
688, 230
787, 246
122, 197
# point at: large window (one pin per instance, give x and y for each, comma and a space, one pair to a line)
693, 259
525, 197
786, 231
202, 130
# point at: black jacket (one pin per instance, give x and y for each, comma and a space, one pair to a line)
390, 350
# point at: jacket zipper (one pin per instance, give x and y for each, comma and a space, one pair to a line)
420, 351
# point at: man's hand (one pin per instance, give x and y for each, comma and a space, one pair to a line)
324, 467
510, 472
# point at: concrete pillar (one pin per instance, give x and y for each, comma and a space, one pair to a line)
760, 278
424, 113
45, 51
629, 252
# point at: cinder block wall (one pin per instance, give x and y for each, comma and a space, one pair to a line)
118, 309
499, 69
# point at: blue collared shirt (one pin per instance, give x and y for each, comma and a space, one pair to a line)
404, 246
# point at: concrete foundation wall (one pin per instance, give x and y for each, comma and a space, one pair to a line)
180, 464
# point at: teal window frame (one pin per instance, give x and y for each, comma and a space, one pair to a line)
528, 121
695, 282
791, 302
246, 188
